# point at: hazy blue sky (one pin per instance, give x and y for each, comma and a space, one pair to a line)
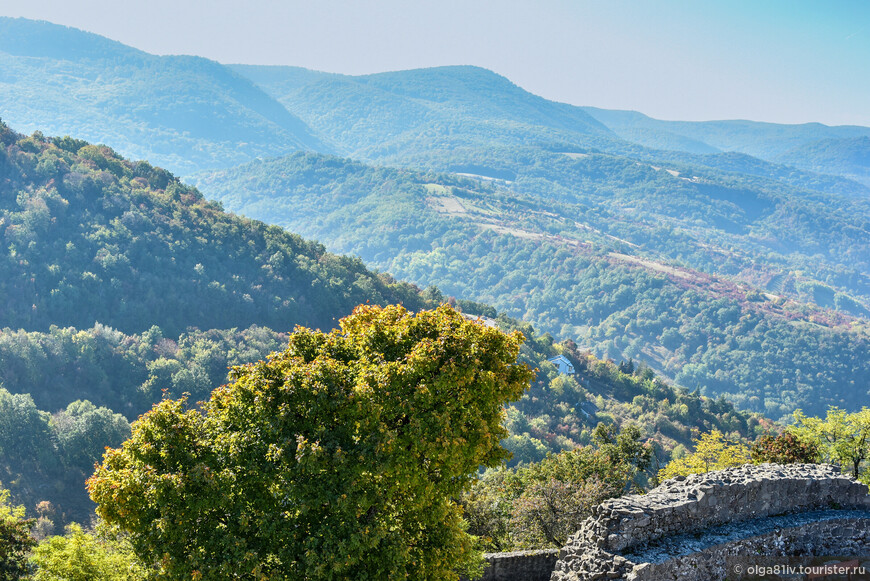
786, 61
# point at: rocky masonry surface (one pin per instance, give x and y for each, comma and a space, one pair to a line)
689, 527
841, 536
520, 565
681, 545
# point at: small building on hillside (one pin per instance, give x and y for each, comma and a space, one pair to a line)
588, 408
563, 365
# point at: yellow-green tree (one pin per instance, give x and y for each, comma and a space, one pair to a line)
339, 458
15, 539
844, 437
81, 556
713, 451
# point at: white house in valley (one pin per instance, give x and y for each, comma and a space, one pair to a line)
562, 364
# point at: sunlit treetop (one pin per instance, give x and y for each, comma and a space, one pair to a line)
338, 458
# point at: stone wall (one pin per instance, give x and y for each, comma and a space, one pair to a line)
688, 527
839, 536
520, 565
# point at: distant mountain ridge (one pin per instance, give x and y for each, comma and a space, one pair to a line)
848, 156
42, 39
184, 113
755, 138
451, 104
802, 146
189, 114
414, 117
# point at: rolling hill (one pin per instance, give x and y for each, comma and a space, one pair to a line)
419, 118
183, 113
90, 236
849, 157
461, 104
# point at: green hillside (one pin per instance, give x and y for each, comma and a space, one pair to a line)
722, 222
590, 268
183, 113
789, 241
90, 236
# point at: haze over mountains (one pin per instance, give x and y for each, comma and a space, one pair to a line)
189, 113
813, 147
731, 255
450, 106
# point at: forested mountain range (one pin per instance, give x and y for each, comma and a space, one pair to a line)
848, 157
189, 113
591, 272
436, 117
694, 274
731, 257
725, 213
538, 176
121, 285
376, 116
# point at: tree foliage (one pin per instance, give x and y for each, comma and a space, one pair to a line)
537, 505
843, 437
124, 372
15, 539
840, 438
713, 451
624, 448
83, 556
338, 458
37, 448
785, 448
